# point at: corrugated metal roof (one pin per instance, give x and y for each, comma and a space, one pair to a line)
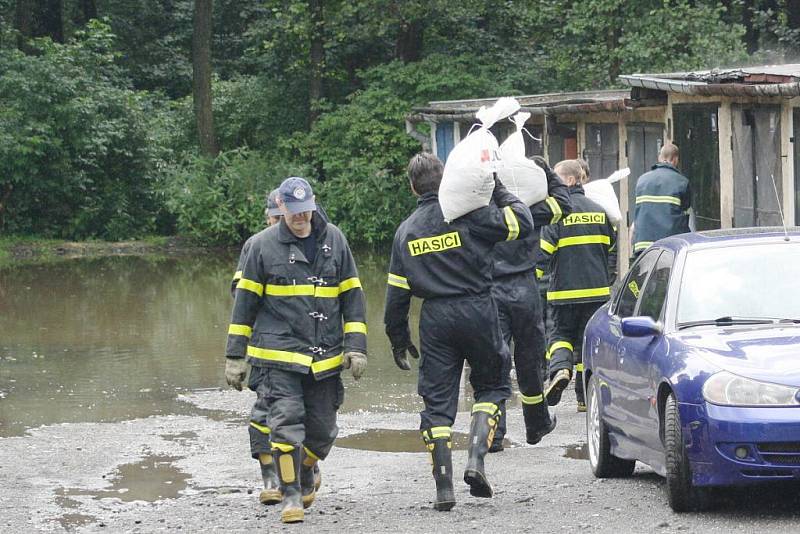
547, 99
761, 80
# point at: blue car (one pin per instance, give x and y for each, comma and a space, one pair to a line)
693, 366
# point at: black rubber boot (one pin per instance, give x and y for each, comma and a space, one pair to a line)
558, 383
271, 494
288, 466
307, 484
538, 422
442, 460
500, 433
481, 433
579, 396
317, 476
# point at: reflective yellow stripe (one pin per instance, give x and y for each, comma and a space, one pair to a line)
439, 432
283, 447
311, 454
584, 240
641, 245
512, 223
579, 367
237, 276
535, 399
658, 199
487, 407
558, 345
280, 356
295, 358
240, 330
350, 328
326, 364
547, 246
398, 281
249, 285
348, 284
555, 208
579, 293
539, 273
327, 292
260, 428
304, 290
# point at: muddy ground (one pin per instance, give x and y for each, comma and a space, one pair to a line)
192, 473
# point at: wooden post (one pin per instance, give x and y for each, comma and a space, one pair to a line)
725, 120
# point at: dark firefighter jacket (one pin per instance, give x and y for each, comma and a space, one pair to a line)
246, 247
431, 258
520, 255
580, 251
663, 199
295, 316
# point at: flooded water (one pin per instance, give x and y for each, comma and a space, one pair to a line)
118, 338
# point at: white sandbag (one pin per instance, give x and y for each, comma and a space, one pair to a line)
521, 176
468, 179
602, 192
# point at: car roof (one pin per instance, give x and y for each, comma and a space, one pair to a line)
730, 237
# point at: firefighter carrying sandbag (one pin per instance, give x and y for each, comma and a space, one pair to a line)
449, 267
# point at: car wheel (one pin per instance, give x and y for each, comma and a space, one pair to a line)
603, 463
682, 495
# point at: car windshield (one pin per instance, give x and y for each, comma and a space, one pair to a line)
748, 282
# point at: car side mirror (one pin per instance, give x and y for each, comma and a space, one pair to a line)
640, 327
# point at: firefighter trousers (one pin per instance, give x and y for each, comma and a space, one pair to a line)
302, 411
259, 425
520, 313
451, 330
566, 340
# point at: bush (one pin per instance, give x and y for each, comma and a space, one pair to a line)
75, 156
221, 201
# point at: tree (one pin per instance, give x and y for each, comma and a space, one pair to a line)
317, 58
201, 77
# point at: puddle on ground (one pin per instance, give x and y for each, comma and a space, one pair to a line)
71, 522
152, 479
578, 451
183, 436
383, 440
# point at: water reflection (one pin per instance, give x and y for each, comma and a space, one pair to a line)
115, 338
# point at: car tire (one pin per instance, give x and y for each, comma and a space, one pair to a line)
603, 463
683, 496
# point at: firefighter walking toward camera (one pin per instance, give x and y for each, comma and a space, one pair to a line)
449, 266
299, 318
580, 252
516, 293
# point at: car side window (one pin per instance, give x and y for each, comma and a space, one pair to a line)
655, 290
632, 286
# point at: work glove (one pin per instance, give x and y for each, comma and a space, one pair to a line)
235, 371
552, 177
400, 357
356, 362
501, 195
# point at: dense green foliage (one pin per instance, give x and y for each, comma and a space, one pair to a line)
97, 128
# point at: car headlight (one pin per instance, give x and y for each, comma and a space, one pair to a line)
729, 389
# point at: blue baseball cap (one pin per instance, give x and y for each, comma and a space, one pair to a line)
272, 204
297, 195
